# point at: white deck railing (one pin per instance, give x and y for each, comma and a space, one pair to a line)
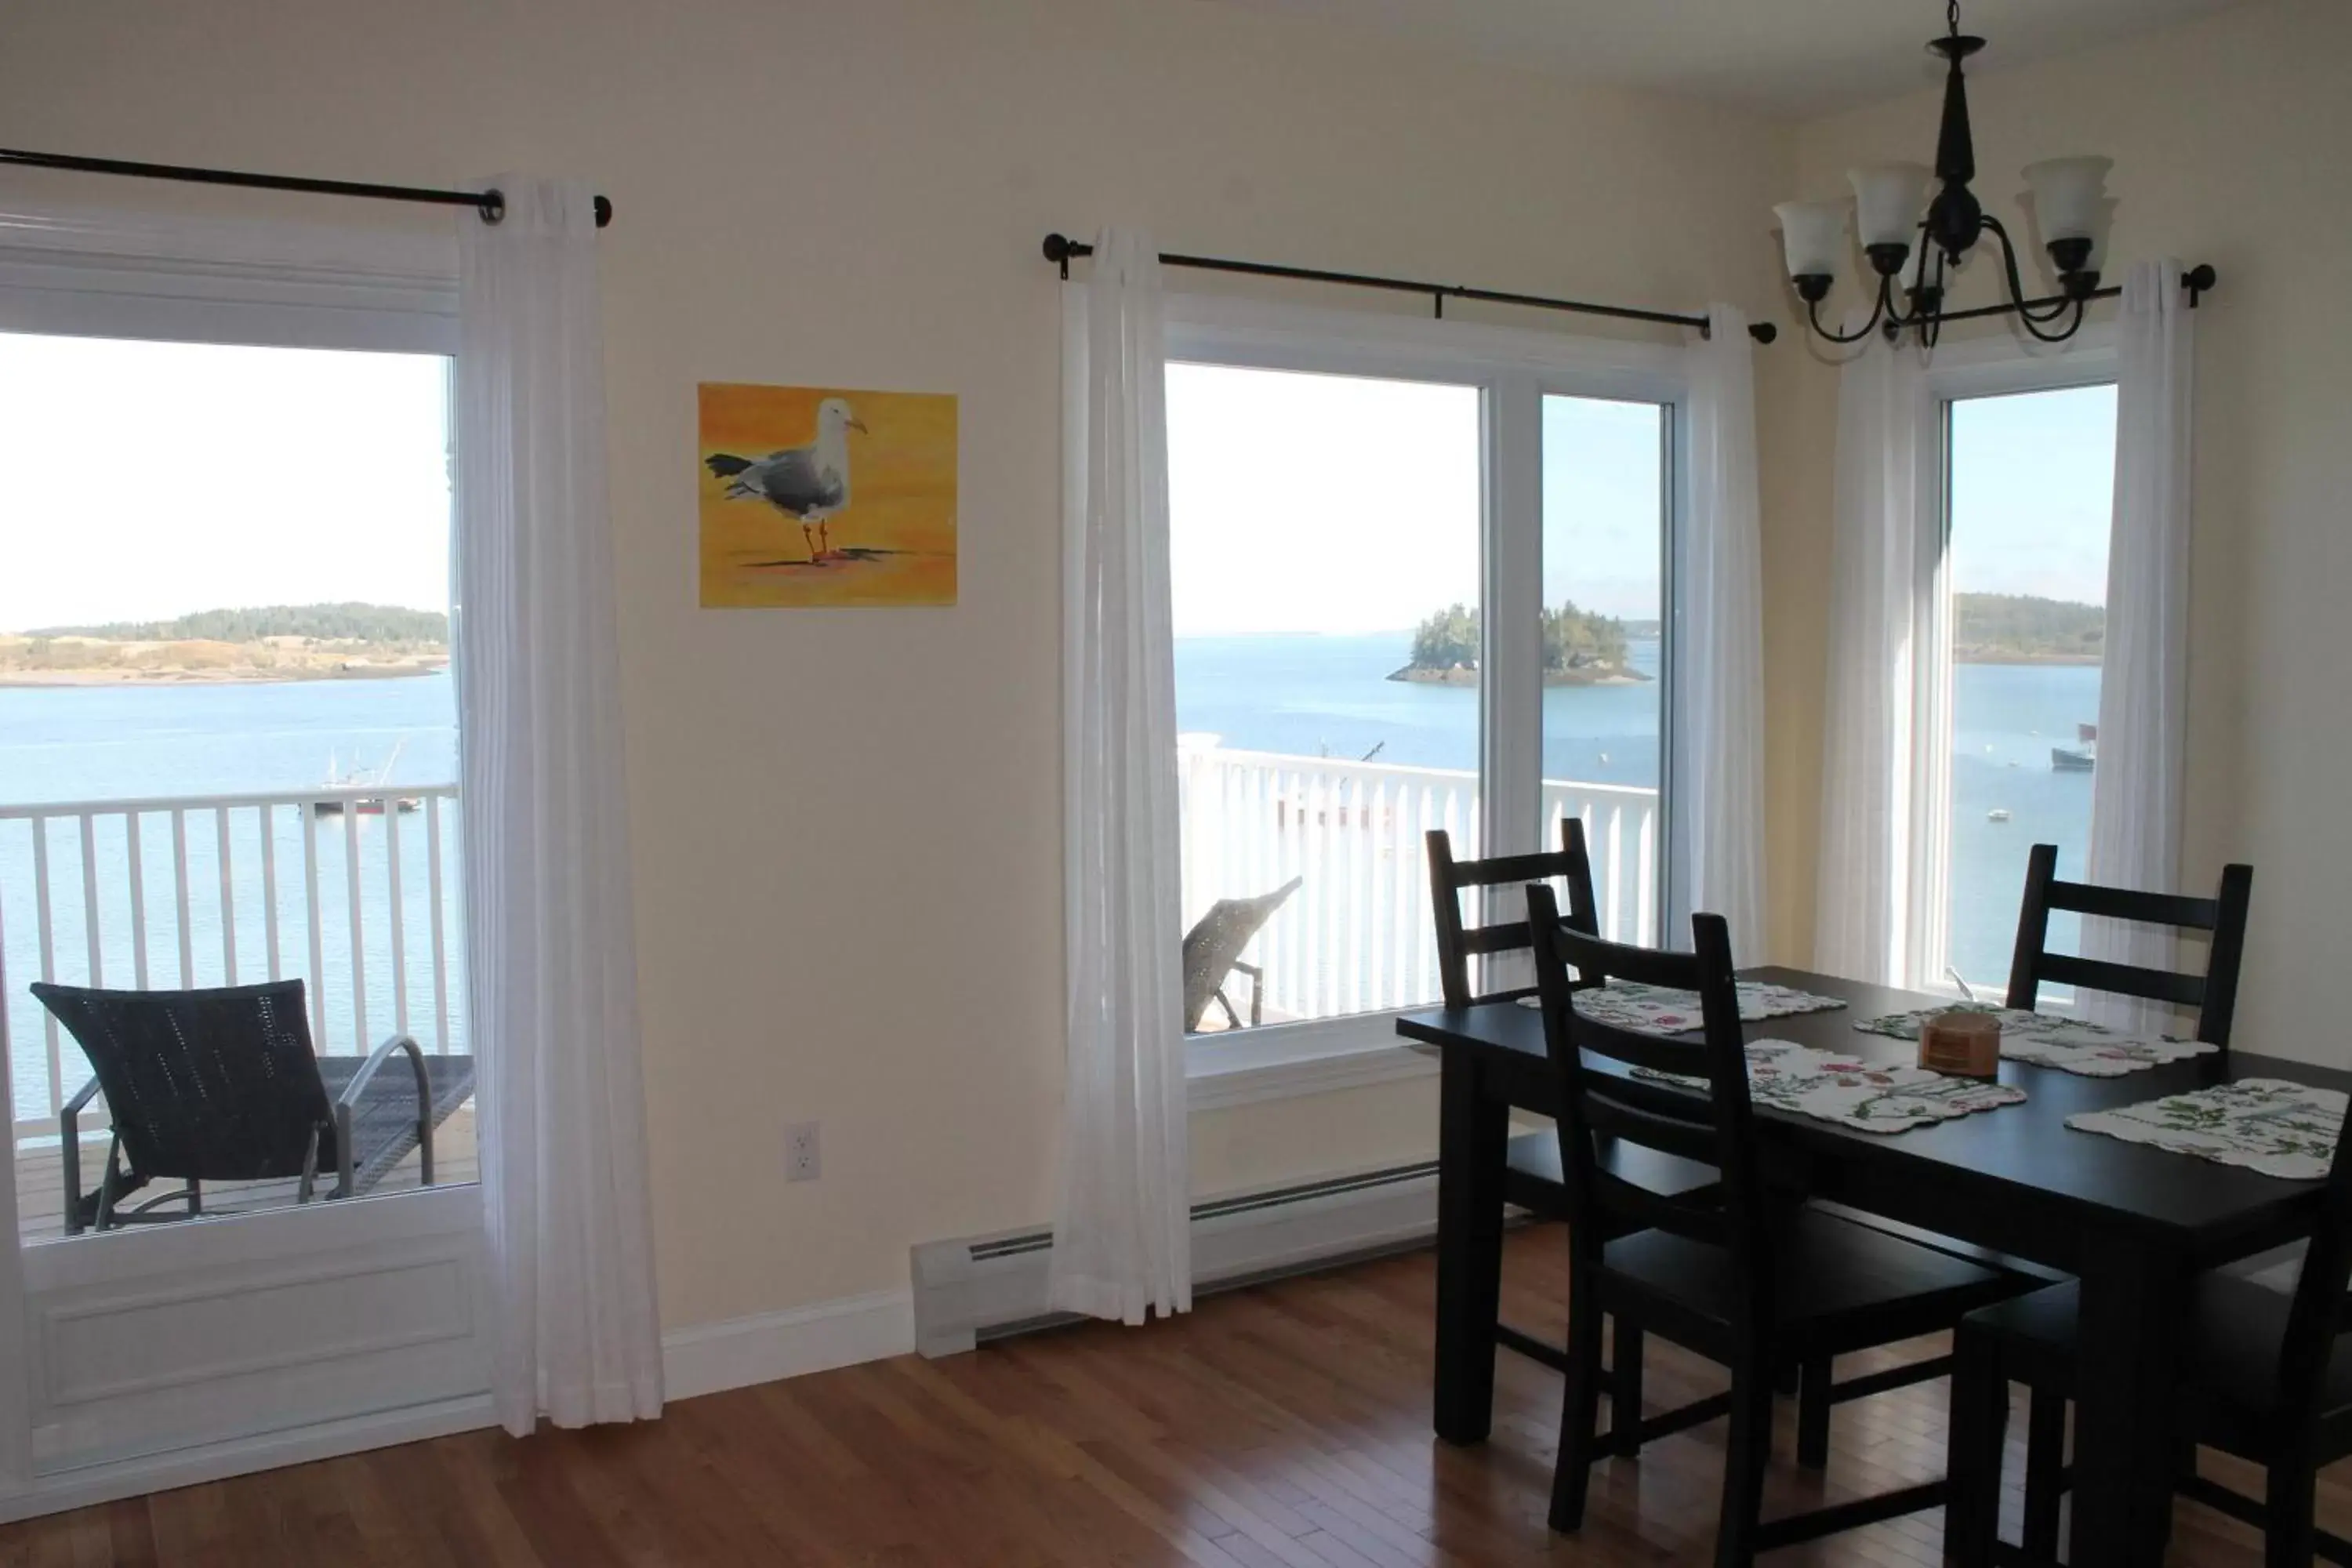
1357, 936
229, 889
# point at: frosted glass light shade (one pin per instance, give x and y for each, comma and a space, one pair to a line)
1888, 200
2069, 195
1814, 234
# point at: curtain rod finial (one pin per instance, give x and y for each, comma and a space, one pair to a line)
1763, 332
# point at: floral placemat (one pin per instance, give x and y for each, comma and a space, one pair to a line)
1871, 1096
2267, 1124
1659, 1010
2070, 1045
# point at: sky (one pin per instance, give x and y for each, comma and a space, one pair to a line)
2033, 482
141, 480
1342, 504
145, 480
1318, 503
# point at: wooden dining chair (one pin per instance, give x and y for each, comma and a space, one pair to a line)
2267, 1376
1457, 944
1531, 1175
2214, 994
1747, 1278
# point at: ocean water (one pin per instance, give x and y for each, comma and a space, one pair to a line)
1308, 696
1330, 696
132, 743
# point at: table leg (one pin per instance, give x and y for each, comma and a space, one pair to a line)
2131, 1336
1472, 1129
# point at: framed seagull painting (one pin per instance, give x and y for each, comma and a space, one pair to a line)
826, 496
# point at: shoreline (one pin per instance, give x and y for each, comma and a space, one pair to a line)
2076, 661
1413, 675
83, 679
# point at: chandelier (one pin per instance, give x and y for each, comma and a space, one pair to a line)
2069, 204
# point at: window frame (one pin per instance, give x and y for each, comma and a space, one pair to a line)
70, 272
2007, 366
1514, 369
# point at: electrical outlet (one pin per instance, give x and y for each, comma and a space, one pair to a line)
803, 1162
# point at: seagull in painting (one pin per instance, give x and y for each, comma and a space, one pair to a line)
808, 484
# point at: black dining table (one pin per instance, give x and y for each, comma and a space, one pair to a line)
2133, 1221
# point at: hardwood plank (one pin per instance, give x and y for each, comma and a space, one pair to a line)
1285, 1426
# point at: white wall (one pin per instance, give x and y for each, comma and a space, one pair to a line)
2229, 136
846, 840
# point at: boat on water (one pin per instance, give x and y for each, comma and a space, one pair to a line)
1998, 814
359, 778
2080, 758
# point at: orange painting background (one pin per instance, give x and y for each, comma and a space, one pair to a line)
902, 500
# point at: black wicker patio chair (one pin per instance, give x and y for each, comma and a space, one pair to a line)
221, 1085
1212, 951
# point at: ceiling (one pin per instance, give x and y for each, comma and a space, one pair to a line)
1793, 58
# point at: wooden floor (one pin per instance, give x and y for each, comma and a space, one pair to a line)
1285, 1424
41, 1178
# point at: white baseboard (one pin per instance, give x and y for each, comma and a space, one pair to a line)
89, 1485
703, 1359
710, 1357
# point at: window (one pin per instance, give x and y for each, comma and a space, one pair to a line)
227, 731
1604, 607
1327, 658
2028, 500
1414, 588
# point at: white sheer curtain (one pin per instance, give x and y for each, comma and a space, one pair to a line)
1122, 1245
1721, 686
2143, 686
1862, 913
17, 1367
550, 948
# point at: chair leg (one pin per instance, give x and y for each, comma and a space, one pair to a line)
2045, 1464
1979, 1421
109, 1183
1747, 1448
2290, 1534
1625, 1389
1580, 1415
1814, 1380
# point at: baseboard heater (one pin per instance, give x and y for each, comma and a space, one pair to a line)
985, 1287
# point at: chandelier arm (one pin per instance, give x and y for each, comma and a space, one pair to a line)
1813, 310
2059, 336
2017, 296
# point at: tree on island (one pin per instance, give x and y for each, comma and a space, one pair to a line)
2020, 628
347, 622
1574, 641
1447, 641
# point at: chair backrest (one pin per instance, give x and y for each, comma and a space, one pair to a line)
2322, 1308
1600, 1098
209, 1085
2213, 994
1456, 944
1216, 941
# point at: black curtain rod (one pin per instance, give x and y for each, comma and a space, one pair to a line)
491, 204
1060, 249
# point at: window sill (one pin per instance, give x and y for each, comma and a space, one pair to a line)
1244, 1067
